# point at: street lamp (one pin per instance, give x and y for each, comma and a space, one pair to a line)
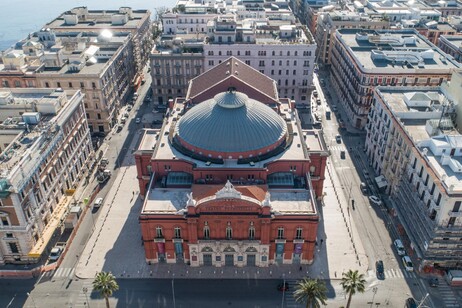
374, 290
283, 289
33, 301
173, 289
85, 290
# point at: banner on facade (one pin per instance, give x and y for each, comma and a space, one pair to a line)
298, 248
179, 248
161, 247
280, 248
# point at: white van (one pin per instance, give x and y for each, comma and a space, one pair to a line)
400, 247
98, 203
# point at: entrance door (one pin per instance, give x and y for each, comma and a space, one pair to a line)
207, 259
229, 260
296, 259
251, 260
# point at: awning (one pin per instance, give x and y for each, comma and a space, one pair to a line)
49, 229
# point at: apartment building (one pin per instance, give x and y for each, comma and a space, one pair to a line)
268, 39
102, 53
125, 19
412, 140
364, 59
452, 45
45, 151
328, 22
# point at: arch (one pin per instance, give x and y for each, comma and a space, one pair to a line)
251, 249
207, 249
229, 249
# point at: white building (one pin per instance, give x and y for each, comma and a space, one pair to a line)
268, 38
46, 151
413, 142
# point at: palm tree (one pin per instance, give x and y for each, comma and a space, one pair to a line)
311, 291
105, 283
352, 282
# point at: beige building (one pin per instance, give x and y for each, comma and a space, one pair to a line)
102, 53
45, 152
412, 141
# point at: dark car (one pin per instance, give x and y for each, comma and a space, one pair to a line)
379, 269
283, 286
433, 282
410, 303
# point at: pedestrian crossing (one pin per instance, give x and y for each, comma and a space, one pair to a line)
67, 272
289, 300
84, 296
338, 147
394, 273
448, 296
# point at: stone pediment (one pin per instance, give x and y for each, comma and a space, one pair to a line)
228, 192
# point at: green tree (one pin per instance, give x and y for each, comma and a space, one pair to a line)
352, 282
105, 284
312, 292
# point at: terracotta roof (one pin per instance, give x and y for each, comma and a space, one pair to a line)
254, 191
230, 70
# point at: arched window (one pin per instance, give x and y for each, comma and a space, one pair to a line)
206, 231
229, 232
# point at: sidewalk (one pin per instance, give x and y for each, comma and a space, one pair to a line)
116, 246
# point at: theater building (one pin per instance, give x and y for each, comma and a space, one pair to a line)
230, 179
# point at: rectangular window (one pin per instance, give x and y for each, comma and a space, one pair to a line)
298, 234
456, 207
5, 221
159, 232
229, 233
280, 233
177, 232
14, 247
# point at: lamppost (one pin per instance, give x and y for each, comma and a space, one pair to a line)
173, 289
33, 301
374, 290
85, 290
283, 289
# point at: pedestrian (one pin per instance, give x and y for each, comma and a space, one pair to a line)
133, 193
315, 243
300, 268
322, 241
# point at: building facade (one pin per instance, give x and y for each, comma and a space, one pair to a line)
413, 142
269, 40
102, 53
46, 150
211, 200
362, 60
452, 45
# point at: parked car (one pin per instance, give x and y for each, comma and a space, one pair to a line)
338, 138
407, 263
98, 202
56, 253
379, 270
138, 121
119, 128
129, 108
283, 286
341, 124
410, 303
342, 154
376, 200
364, 188
318, 101
399, 247
433, 282
315, 93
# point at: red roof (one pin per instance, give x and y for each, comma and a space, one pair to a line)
233, 72
254, 191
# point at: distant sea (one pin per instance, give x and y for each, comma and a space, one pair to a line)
19, 18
